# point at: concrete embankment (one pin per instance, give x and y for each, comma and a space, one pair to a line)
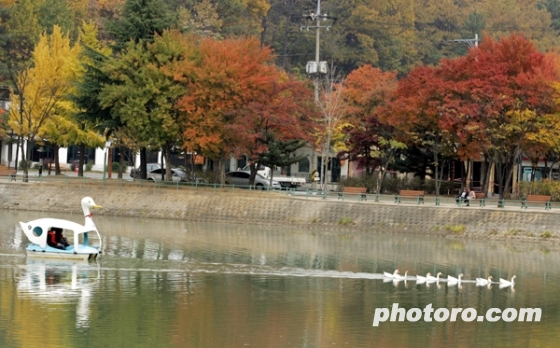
278, 208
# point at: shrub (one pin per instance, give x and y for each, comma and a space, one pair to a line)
345, 221
544, 187
115, 166
20, 164
456, 228
88, 167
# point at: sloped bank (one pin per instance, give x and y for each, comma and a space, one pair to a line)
278, 208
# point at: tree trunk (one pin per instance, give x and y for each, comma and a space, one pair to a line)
325, 155
17, 153
143, 163
109, 163
510, 164
271, 176
81, 160
384, 167
121, 161
484, 176
464, 173
220, 170
56, 160
253, 169
489, 164
168, 167
25, 155
436, 171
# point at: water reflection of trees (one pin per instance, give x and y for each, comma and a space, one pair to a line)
331, 249
165, 284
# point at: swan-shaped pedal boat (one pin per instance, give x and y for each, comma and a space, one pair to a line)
37, 233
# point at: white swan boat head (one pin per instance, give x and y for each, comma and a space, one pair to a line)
79, 248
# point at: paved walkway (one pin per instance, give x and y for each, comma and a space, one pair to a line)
389, 199
429, 201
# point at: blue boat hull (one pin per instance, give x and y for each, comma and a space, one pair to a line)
84, 253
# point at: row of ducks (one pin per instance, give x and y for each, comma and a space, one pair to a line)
450, 279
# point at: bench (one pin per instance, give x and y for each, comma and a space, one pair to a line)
538, 199
8, 172
358, 190
415, 194
480, 198
50, 166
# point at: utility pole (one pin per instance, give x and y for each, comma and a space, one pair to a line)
471, 42
316, 68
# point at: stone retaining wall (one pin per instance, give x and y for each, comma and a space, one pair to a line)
279, 208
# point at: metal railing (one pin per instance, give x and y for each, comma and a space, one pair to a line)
375, 198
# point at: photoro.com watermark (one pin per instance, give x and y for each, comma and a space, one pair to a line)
428, 314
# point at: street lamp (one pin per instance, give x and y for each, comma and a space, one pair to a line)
107, 146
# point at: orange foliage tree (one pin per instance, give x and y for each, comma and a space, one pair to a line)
230, 87
283, 111
369, 142
418, 115
493, 101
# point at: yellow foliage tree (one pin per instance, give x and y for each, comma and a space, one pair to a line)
63, 127
333, 110
43, 88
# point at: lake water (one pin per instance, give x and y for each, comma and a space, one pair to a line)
167, 283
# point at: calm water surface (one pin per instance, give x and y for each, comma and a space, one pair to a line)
166, 283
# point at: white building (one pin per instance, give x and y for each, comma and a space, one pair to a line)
95, 159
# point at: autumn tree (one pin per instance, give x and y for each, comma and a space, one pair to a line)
370, 141
20, 33
227, 76
68, 126
56, 12
86, 95
204, 20
331, 119
140, 22
545, 142
279, 153
277, 122
241, 18
142, 96
418, 115
4, 129
505, 90
45, 85
490, 101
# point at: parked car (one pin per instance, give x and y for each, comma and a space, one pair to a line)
177, 175
135, 172
241, 178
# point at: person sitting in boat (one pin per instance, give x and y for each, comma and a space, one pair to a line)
56, 239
